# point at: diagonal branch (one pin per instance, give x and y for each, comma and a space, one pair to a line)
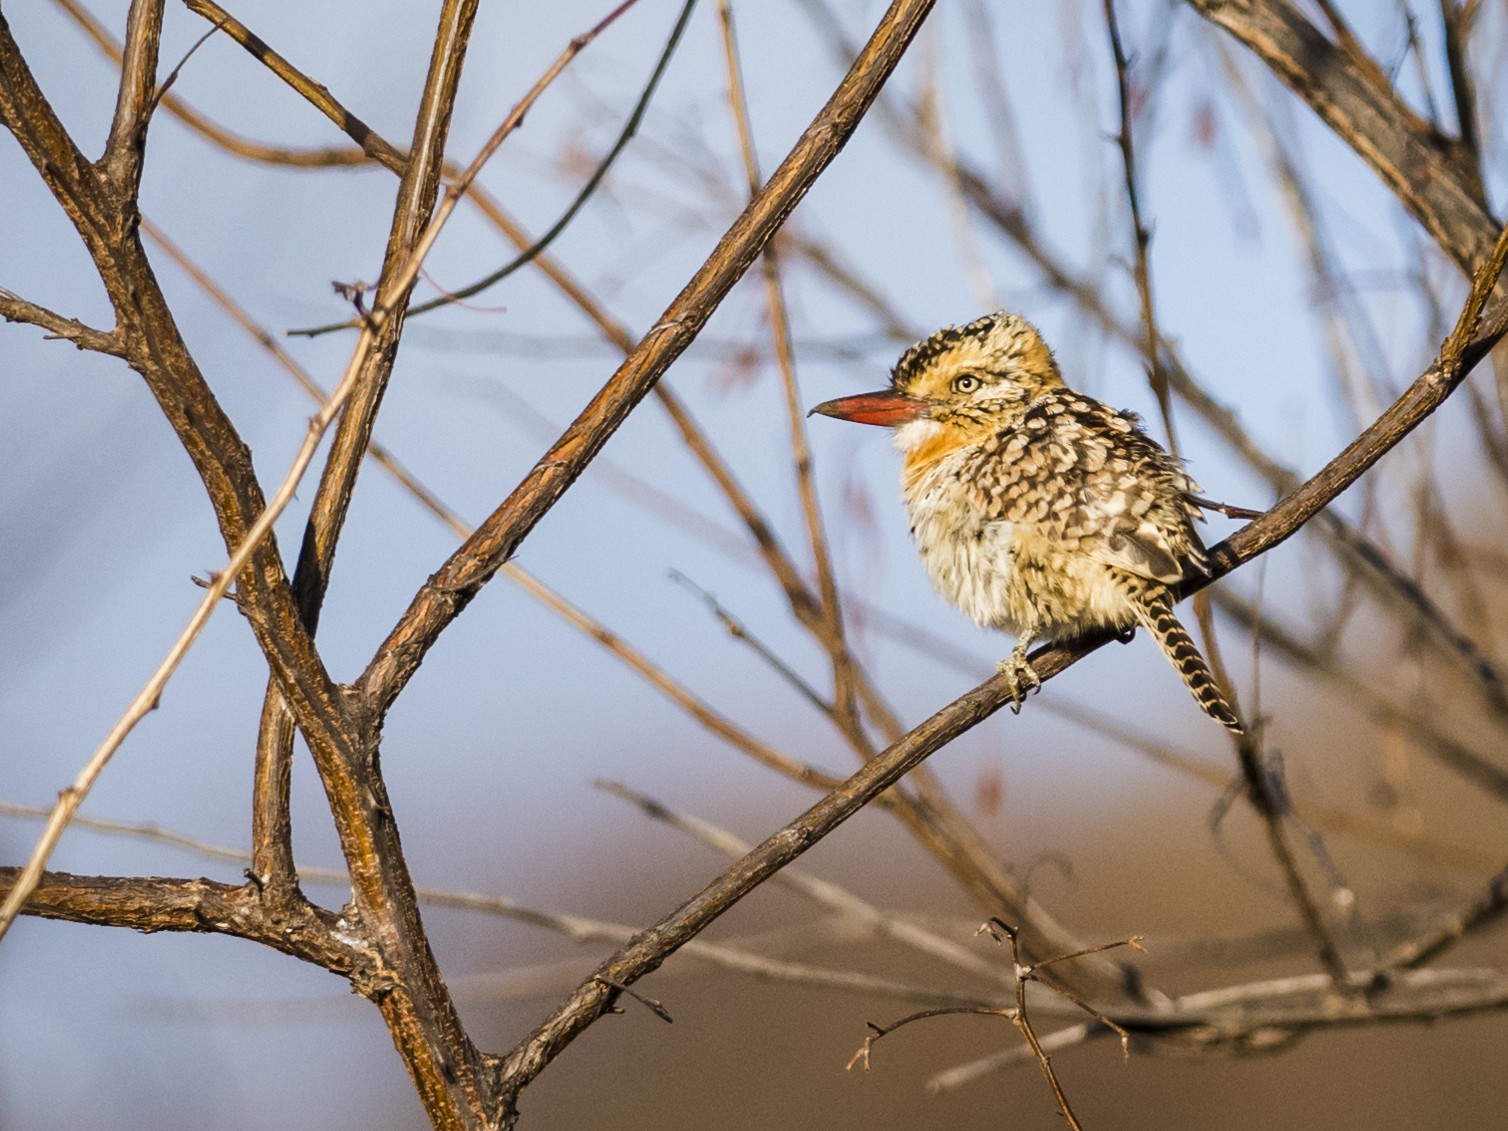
371, 143
1422, 168
234, 143
417, 191
459, 580
647, 952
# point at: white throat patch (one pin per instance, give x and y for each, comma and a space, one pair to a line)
913, 434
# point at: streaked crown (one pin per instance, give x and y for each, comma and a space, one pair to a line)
987, 366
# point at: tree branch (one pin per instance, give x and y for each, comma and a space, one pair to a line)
14, 308
462, 576
647, 952
121, 164
1418, 164
151, 903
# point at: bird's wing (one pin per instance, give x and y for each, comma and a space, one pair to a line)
1085, 476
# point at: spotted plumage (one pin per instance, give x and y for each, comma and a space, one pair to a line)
1036, 509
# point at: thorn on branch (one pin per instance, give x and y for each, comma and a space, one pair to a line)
232, 594
355, 293
649, 1003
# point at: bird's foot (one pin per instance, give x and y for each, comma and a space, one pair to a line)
1126, 635
1020, 675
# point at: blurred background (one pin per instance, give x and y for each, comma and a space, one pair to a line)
1296, 293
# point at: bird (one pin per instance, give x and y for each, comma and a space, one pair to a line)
1038, 510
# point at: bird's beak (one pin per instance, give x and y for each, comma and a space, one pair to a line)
886, 407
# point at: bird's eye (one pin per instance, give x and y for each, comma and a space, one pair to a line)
965, 383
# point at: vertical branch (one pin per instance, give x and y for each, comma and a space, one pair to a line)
70, 798
1141, 236
134, 103
271, 844
473, 565
829, 608
1459, 19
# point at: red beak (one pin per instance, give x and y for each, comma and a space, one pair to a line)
886, 407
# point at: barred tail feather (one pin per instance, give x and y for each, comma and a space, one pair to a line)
1155, 612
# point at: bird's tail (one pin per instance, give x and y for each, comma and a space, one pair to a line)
1154, 609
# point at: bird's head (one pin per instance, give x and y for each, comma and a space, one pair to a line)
960, 384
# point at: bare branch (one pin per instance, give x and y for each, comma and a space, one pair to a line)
651, 948
14, 308
151, 903
372, 144
1485, 908
126, 146
141, 904
1141, 236
822, 892
1362, 109
233, 143
499, 537
72, 797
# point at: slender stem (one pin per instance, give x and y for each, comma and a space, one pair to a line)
126, 144
1141, 236
70, 798
829, 608
499, 537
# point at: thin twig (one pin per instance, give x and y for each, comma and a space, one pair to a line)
70, 798
589, 186
14, 308
1022, 973
831, 611
167, 84
739, 959
1141, 236
1484, 908
822, 892
740, 631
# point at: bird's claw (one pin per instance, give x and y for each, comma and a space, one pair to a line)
1020, 676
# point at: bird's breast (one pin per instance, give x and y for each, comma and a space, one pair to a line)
1001, 574
968, 556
